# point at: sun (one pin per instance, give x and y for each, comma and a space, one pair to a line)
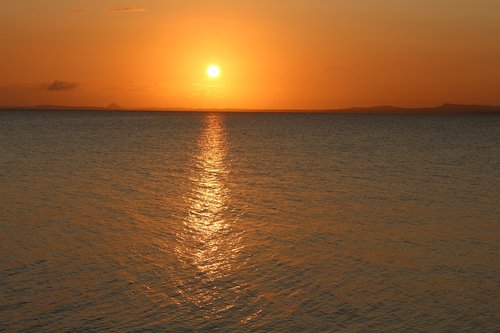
213, 71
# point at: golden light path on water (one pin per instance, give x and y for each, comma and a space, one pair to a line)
208, 243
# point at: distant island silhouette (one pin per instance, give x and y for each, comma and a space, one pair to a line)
115, 106
446, 108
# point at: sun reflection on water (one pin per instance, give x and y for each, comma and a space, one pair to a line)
209, 245
206, 214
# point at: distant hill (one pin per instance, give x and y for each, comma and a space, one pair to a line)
442, 109
51, 107
114, 106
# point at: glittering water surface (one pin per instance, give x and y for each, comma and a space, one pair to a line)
173, 222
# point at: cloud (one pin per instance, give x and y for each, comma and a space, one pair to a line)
60, 85
125, 10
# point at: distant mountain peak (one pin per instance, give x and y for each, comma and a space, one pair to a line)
115, 106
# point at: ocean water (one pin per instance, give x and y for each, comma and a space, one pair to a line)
227, 222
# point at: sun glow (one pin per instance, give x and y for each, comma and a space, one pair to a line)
213, 71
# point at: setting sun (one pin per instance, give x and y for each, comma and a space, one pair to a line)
213, 71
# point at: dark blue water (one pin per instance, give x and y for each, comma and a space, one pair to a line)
181, 222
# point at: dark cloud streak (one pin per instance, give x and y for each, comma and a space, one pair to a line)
60, 85
125, 10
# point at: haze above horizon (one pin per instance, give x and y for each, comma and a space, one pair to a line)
292, 54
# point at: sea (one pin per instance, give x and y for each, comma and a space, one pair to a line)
248, 222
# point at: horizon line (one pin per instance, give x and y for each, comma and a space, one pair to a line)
442, 108
119, 106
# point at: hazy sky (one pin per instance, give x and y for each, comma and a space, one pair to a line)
272, 53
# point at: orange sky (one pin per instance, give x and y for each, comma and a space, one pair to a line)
272, 53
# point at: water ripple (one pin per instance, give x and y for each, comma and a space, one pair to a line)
183, 222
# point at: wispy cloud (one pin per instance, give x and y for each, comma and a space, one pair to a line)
60, 85
125, 10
